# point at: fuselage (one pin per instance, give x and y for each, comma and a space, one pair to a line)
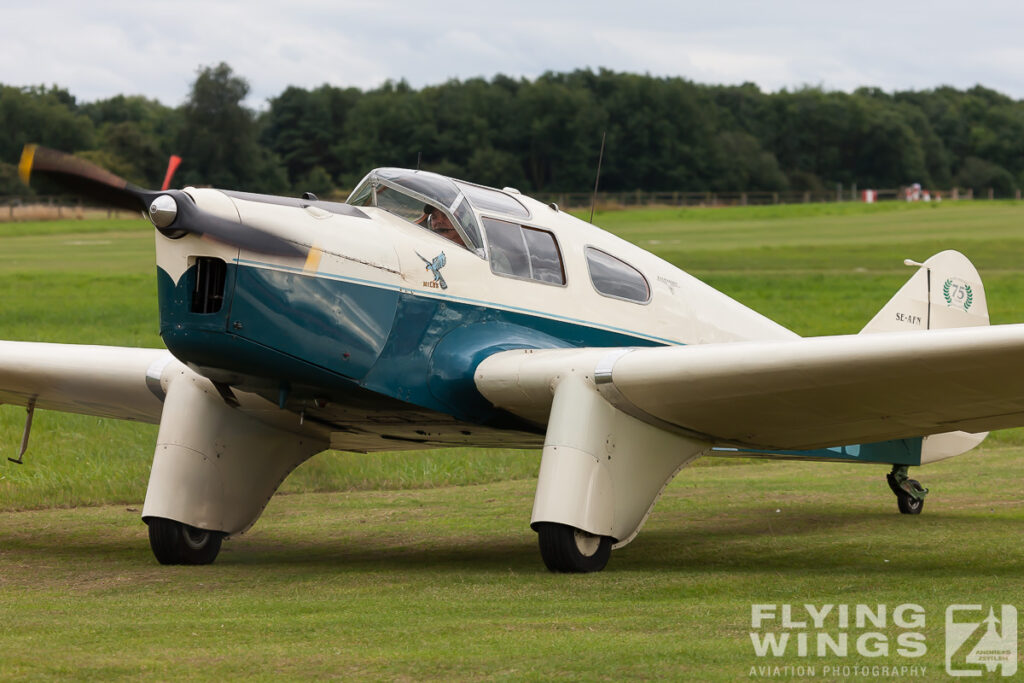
377, 331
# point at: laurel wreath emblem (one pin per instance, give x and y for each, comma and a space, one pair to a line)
968, 292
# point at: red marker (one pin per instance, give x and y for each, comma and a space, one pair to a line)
172, 166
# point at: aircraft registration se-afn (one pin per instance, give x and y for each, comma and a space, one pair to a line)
427, 311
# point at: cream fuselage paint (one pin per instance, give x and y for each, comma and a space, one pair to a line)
384, 250
384, 253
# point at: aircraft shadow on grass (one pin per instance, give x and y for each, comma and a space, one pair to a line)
748, 545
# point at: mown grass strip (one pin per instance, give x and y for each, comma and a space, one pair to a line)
445, 583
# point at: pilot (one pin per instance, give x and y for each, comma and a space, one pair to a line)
438, 222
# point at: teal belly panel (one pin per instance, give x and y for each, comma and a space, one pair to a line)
895, 452
337, 325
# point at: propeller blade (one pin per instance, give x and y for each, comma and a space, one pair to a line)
173, 212
81, 177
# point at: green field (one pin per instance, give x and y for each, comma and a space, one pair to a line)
422, 565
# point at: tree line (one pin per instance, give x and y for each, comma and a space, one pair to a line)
540, 135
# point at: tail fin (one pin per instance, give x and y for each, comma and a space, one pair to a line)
946, 291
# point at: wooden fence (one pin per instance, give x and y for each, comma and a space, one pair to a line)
55, 208
642, 198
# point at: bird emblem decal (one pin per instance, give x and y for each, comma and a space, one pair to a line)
435, 266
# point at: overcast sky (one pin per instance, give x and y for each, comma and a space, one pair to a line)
102, 48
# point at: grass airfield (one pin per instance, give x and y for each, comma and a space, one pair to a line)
422, 565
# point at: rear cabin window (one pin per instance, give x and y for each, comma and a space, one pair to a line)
486, 199
524, 252
615, 278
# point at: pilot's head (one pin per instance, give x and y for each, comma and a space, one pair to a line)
442, 225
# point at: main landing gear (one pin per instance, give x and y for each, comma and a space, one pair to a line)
570, 550
909, 492
176, 543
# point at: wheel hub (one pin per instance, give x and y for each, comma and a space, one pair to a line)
586, 543
194, 538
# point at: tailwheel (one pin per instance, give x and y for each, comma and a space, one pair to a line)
176, 543
571, 550
909, 492
909, 505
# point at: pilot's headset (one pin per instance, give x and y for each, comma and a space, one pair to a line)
429, 210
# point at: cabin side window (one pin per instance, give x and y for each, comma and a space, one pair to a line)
616, 278
524, 252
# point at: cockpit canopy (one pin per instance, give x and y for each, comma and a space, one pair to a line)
444, 205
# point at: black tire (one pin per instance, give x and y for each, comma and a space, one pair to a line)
907, 504
569, 550
176, 543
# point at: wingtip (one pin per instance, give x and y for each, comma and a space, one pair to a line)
28, 155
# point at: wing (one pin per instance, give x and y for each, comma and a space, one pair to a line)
106, 381
795, 394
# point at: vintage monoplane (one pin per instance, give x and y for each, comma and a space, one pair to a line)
427, 311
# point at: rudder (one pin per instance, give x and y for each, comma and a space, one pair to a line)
946, 291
